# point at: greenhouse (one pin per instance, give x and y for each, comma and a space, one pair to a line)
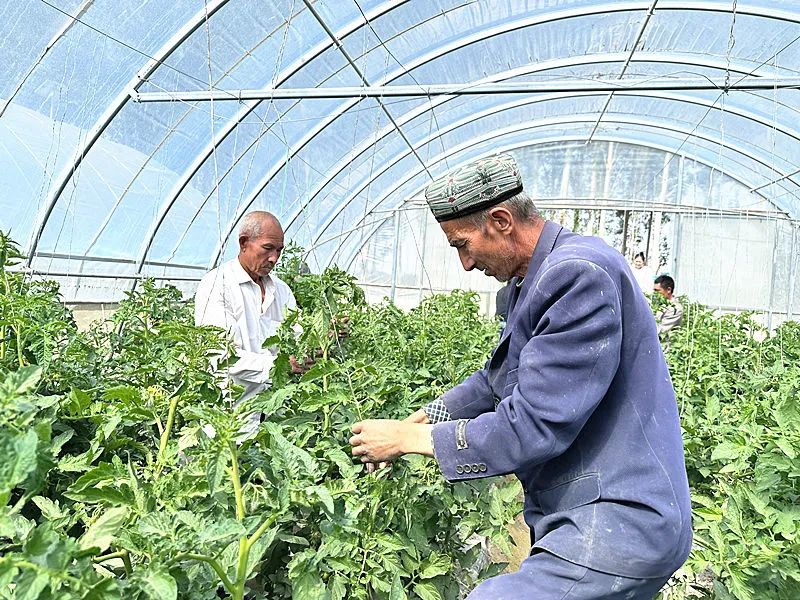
137, 137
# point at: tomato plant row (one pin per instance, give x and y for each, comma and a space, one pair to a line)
123, 475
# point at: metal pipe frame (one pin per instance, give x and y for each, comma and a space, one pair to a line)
637, 39
71, 20
112, 111
297, 147
421, 110
509, 147
675, 84
361, 76
246, 110
428, 139
117, 105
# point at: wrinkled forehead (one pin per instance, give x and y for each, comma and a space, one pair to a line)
458, 229
271, 231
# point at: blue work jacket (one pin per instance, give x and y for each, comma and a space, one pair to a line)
577, 401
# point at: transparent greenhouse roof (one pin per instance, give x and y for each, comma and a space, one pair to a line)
135, 135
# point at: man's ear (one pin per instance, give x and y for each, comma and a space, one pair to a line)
501, 219
242, 242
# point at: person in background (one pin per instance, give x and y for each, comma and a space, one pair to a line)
243, 297
670, 315
576, 401
642, 273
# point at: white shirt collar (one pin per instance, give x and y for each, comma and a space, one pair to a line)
243, 276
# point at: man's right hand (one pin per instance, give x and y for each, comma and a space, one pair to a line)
418, 416
298, 368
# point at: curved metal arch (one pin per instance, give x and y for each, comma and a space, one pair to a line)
506, 27
214, 5
62, 31
113, 110
564, 120
421, 110
517, 103
247, 108
510, 147
203, 156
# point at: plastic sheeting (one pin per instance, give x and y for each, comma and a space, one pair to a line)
104, 190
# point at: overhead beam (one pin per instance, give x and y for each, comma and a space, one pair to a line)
645, 122
607, 136
637, 40
573, 85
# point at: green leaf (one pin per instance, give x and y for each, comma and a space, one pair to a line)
47, 548
309, 586
50, 510
427, 591
397, 592
102, 531
215, 471
160, 585
19, 458
435, 565
726, 451
786, 446
18, 383
30, 585
324, 496
78, 401
391, 542
337, 588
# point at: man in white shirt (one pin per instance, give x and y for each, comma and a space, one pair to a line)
244, 298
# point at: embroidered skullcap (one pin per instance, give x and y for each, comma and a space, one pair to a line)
474, 187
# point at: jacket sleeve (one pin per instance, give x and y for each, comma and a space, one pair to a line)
210, 308
470, 398
564, 372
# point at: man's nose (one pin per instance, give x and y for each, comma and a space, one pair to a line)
467, 262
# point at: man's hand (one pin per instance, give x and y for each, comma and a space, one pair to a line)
382, 440
340, 327
419, 416
300, 367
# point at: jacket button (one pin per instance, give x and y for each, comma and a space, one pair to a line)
459, 469
467, 469
482, 468
475, 468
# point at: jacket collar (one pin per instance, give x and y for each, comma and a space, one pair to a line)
544, 246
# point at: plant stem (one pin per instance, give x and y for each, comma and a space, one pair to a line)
212, 562
126, 560
123, 554
162, 450
241, 569
237, 484
261, 529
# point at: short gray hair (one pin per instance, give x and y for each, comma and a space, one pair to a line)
519, 205
253, 223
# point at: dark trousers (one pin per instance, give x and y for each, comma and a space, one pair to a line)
544, 576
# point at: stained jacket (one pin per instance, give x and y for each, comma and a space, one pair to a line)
577, 401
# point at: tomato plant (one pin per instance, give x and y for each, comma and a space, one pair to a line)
124, 476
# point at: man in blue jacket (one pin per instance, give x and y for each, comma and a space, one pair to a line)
576, 400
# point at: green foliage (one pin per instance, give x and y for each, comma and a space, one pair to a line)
737, 390
124, 474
